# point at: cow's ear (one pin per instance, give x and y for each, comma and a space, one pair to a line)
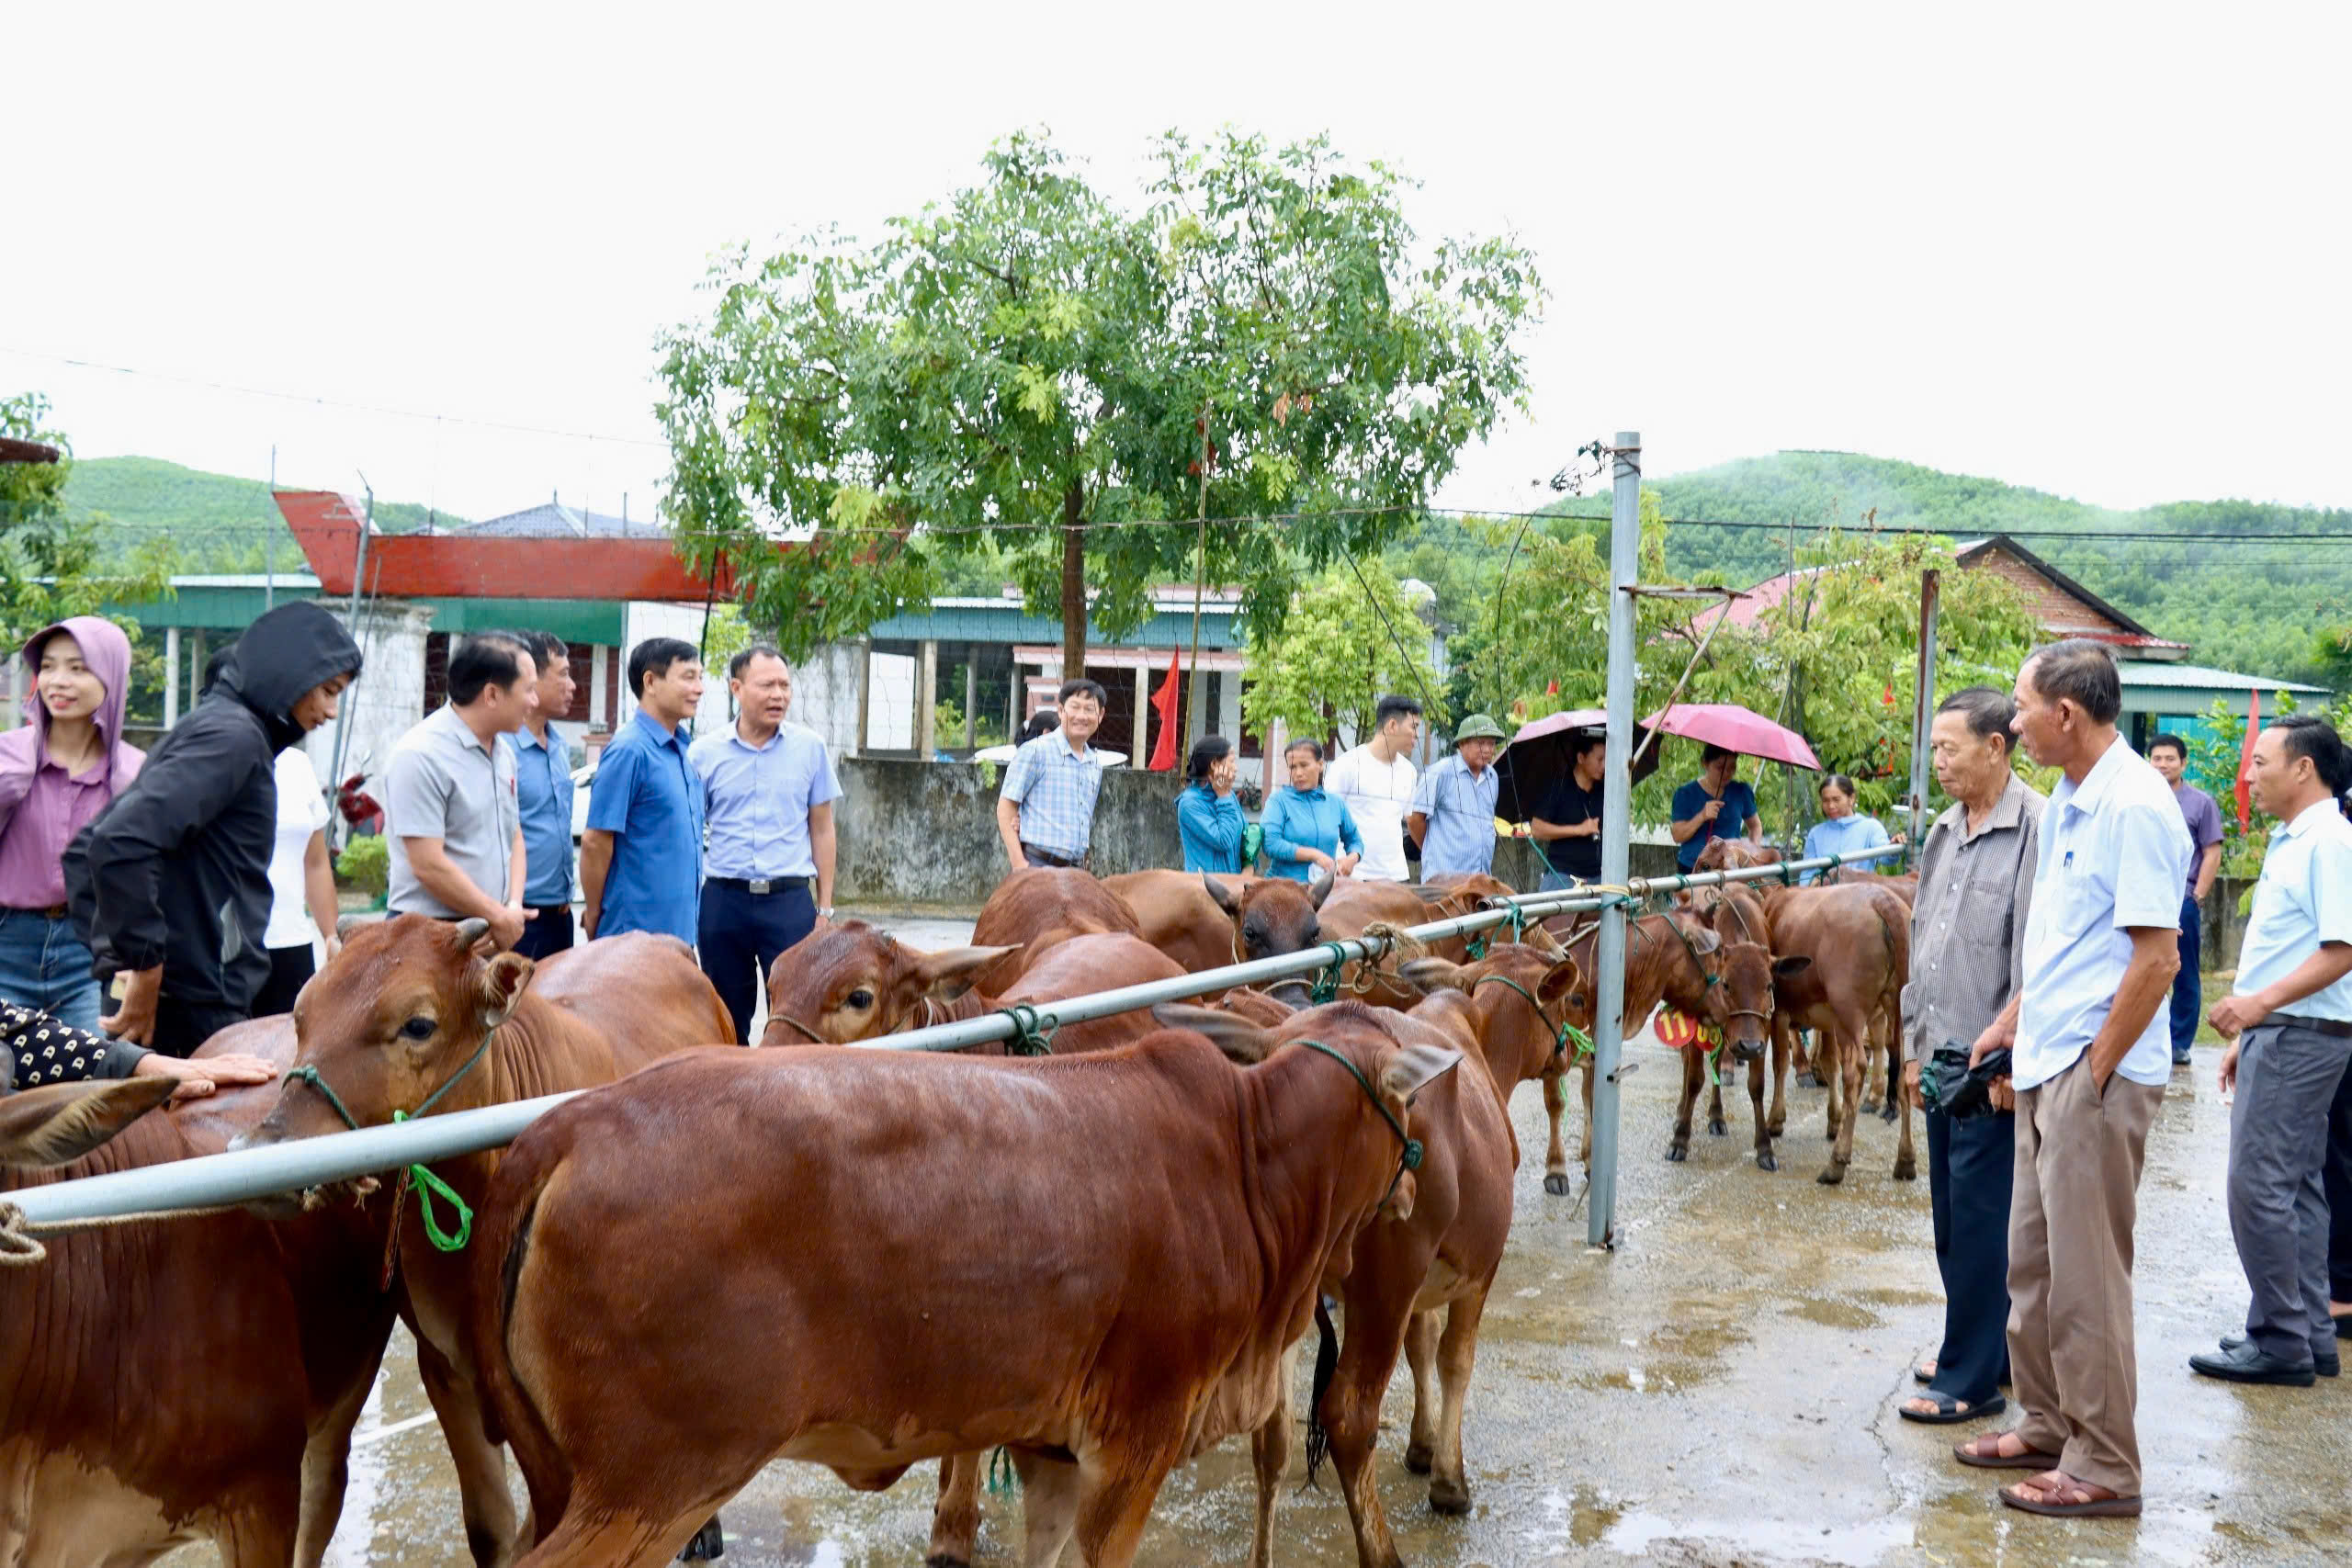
60, 1123
949, 972
1430, 974
1240, 1040
1412, 1068
1229, 902
1704, 939
1560, 980
1319, 888
1796, 963
502, 979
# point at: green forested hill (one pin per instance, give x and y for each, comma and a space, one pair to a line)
216, 522
2247, 604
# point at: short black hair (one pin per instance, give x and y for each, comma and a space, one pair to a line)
1989, 711
2175, 741
1082, 687
742, 661
485, 658
653, 657
2308, 735
548, 650
1045, 721
1207, 751
2080, 671
1842, 783
1580, 745
1711, 754
1394, 705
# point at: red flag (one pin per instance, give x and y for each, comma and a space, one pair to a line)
1163, 752
1552, 690
2246, 765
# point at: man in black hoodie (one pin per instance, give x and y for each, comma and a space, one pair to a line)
170, 885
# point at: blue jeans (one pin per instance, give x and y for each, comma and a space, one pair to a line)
1556, 881
43, 964
2188, 986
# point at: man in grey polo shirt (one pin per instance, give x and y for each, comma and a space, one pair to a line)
2090, 1055
451, 812
2290, 1019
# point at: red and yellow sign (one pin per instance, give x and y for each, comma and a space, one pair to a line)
1680, 1030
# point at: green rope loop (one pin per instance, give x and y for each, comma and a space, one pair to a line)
1028, 1039
1476, 945
1562, 1032
310, 1074
429, 1187
1413, 1154
1518, 923
1327, 989
1004, 1477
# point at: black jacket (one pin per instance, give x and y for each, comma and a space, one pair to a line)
176, 870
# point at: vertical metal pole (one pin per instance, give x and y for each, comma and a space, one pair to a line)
1616, 824
1923, 708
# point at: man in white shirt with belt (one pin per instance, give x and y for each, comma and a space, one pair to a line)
2290, 1021
1376, 781
2091, 1051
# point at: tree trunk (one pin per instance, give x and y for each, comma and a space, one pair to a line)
1073, 581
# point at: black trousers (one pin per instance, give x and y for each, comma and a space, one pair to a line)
181, 1027
1972, 1164
740, 934
550, 933
2338, 1178
290, 969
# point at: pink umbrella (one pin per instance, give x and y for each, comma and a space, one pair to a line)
1735, 728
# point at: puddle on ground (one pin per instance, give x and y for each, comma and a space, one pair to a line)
1638, 1534
1835, 1314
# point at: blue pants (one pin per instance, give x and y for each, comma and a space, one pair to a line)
740, 935
2188, 986
1972, 1164
43, 964
1556, 881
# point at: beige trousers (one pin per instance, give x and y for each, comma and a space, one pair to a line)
2073, 1362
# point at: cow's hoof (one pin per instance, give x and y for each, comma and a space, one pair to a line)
1717, 1127
1869, 1107
1678, 1152
1806, 1080
708, 1545
1889, 1111
1906, 1170
1450, 1497
1418, 1457
1555, 1182
1777, 1128
1832, 1177
941, 1559
1764, 1160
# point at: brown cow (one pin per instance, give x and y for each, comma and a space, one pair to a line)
844, 1334
1033, 909
409, 1011
246, 1349
1357, 905
1415, 1283
1206, 922
1527, 996
1737, 854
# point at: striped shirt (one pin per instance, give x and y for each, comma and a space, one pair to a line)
1055, 789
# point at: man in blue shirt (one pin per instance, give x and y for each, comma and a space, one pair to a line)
1045, 810
543, 790
640, 858
1714, 805
1453, 816
767, 792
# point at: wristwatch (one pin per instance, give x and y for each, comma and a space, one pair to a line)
826, 913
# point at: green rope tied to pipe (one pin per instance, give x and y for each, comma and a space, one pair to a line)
1327, 985
1788, 874
1028, 1039
429, 1187
1414, 1152
1518, 923
1476, 945
1004, 1478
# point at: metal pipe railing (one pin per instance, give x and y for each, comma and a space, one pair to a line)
242, 1176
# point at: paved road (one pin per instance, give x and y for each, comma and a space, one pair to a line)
1718, 1391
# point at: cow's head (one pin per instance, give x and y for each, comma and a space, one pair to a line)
1463, 892
852, 982
1524, 999
1740, 996
59, 1123
1272, 916
402, 1016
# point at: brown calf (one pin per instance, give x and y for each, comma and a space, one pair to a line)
409, 1015
844, 1334
1858, 937
1033, 909
1205, 921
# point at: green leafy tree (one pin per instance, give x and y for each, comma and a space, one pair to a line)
1031, 368
1345, 643
49, 565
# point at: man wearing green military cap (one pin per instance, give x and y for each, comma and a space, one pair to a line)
1453, 816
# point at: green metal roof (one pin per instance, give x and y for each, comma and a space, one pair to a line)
233, 604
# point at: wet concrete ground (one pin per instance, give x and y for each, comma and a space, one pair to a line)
1718, 1391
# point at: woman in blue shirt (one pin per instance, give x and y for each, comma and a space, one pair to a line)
1840, 831
1207, 817
1716, 805
1306, 829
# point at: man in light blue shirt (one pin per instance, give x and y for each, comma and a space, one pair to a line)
2091, 1052
767, 792
1453, 816
543, 792
2290, 1019
641, 859
1045, 809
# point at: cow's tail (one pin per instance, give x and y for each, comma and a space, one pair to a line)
511, 1211
1326, 1363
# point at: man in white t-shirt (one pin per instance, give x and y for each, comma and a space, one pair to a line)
1376, 780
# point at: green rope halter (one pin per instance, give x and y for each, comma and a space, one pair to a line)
1563, 1033
1413, 1150
427, 1185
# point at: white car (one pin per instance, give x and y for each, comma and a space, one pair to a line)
1005, 754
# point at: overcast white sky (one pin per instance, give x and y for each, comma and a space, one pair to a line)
2098, 249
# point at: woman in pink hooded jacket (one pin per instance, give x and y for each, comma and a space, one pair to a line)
57, 771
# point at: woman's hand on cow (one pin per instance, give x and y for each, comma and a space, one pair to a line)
135, 1020
199, 1079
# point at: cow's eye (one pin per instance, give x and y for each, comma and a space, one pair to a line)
418, 1027
861, 998
1314, 934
